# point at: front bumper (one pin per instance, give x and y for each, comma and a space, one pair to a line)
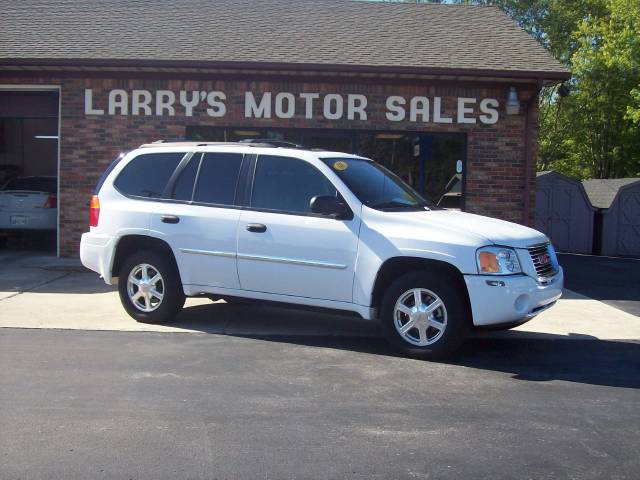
96, 253
497, 300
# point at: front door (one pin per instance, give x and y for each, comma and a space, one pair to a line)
285, 249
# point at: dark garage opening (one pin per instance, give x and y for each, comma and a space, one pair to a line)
29, 170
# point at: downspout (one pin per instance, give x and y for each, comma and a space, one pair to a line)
529, 161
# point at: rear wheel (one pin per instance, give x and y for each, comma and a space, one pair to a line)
150, 288
424, 315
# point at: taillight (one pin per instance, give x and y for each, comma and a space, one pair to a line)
52, 202
94, 211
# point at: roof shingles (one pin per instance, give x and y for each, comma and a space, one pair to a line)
311, 32
602, 192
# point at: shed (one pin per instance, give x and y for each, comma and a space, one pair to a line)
564, 213
619, 201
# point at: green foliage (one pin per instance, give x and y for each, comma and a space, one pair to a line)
606, 70
595, 130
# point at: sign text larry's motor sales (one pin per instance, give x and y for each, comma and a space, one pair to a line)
330, 106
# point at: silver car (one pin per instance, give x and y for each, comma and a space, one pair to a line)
29, 203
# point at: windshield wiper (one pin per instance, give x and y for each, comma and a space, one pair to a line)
393, 204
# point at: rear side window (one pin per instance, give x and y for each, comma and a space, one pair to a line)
287, 184
218, 178
147, 174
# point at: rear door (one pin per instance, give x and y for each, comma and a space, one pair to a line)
285, 249
201, 218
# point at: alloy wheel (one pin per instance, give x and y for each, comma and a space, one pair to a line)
420, 317
145, 287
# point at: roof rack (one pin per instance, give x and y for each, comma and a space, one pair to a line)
182, 143
271, 142
249, 142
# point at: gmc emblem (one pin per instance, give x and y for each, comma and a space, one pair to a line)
544, 258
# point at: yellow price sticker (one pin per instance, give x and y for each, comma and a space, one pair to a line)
340, 165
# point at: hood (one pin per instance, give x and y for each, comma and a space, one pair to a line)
476, 228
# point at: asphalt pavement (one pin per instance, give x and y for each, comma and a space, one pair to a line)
78, 405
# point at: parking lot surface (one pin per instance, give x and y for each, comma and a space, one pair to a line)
250, 391
157, 405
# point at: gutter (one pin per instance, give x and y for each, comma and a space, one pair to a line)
554, 76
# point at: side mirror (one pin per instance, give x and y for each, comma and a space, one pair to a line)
330, 206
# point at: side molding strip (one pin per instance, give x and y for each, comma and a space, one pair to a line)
289, 261
207, 252
292, 261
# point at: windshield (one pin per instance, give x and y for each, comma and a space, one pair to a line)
375, 186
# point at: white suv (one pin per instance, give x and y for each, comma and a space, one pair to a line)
314, 228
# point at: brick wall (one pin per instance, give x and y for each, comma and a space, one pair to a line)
495, 175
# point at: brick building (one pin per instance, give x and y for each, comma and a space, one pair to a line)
445, 95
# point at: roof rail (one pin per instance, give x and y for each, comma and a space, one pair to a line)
271, 142
249, 142
183, 143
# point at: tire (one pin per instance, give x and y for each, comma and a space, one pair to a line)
169, 286
432, 335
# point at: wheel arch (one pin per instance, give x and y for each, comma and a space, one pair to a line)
128, 244
395, 267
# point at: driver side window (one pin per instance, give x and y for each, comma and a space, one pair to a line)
287, 184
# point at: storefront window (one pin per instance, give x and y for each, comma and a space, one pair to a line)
433, 164
394, 151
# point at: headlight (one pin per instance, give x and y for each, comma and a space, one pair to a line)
497, 261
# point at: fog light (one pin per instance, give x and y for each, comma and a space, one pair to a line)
522, 304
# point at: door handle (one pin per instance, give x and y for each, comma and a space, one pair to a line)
256, 227
169, 219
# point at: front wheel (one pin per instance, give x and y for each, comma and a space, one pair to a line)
424, 315
150, 288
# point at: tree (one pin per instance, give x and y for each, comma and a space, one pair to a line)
606, 70
595, 130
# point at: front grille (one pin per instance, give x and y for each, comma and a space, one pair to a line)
538, 254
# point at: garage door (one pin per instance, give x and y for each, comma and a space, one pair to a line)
28, 169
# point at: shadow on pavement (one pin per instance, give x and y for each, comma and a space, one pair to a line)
270, 320
40, 242
592, 362
533, 357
